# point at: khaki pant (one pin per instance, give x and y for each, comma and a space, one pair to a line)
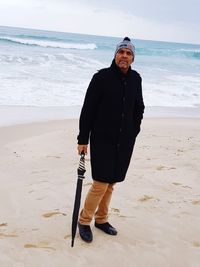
96, 203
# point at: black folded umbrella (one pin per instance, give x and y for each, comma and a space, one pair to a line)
81, 170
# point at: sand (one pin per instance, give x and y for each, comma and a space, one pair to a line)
156, 209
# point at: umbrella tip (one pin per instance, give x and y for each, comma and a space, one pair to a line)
72, 243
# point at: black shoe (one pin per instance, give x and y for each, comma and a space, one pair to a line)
85, 232
106, 227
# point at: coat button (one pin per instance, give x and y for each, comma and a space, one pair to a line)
120, 130
124, 99
122, 115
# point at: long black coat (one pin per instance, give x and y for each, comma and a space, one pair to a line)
111, 116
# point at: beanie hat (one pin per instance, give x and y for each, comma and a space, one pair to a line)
126, 43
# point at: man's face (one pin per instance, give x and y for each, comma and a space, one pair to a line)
123, 59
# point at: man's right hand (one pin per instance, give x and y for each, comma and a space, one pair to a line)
82, 148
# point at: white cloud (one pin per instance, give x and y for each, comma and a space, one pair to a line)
134, 18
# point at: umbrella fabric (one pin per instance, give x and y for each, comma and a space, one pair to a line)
81, 170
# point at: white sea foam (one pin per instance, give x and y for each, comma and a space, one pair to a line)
45, 59
48, 43
34, 74
156, 97
46, 79
195, 50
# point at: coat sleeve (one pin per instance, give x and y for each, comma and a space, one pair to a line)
89, 109
139, 108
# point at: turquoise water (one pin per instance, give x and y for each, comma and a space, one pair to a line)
43, 68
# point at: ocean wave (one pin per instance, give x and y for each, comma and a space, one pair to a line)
63, 58
165, 52
47, 43
191, 52
197, 50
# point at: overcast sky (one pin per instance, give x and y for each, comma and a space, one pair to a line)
172, 20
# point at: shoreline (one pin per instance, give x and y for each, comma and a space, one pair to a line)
13, 115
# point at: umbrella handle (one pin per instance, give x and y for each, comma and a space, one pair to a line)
81, 169
82, 154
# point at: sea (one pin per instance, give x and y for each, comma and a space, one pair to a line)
44, 68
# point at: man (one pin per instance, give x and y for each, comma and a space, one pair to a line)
111, 116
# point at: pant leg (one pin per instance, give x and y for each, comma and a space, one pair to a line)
101, 215
92, 201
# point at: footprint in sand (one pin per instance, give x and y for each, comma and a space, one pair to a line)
3, 224
180, 150
67, 236
41, 198
117, 212
43, 245
176, 183
196, 202
147, 198
42, 181
53, 213
56, 157
16, 154
184, 186
7, 235
196, 244
161, 167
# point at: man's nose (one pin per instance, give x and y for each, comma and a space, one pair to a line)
125, 54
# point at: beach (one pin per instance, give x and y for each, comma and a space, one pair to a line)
156, 209
44, 76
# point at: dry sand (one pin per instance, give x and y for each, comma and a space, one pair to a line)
156, 209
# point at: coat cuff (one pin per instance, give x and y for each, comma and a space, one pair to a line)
82, 139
